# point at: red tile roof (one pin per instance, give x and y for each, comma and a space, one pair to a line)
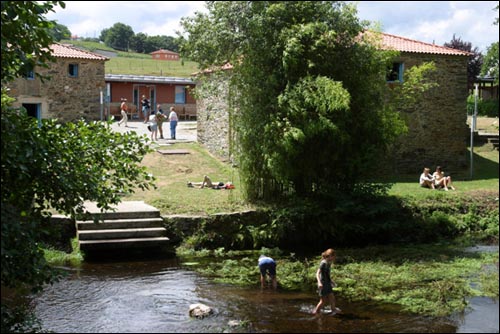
68, 51
163, 51
402, 44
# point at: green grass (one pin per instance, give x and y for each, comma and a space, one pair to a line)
139, 63
485, 177
56, 257
148, 66
428, 279
173, 173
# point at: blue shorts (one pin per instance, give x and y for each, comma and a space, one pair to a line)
269, 268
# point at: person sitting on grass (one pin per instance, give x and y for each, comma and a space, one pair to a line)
207, 183
442, 181
426, 179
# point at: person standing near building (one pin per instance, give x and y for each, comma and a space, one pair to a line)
123, 111
146, 107
173, 119
160, 118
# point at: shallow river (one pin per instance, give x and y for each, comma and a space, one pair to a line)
154, 296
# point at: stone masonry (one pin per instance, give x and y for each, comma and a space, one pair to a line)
63, 97
437, 127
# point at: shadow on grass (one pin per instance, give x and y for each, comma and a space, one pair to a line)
483, 168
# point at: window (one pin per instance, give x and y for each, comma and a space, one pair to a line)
395, 73
180, 94
73, 70
30, 75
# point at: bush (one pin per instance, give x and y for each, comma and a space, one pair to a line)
488, 108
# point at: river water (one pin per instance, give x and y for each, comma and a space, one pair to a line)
154, 296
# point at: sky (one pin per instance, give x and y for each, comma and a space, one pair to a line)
426, 21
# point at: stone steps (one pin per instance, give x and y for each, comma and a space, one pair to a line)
130, 225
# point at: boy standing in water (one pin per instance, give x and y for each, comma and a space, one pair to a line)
325, 283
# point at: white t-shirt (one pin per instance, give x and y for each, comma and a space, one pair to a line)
425, 178
172, 116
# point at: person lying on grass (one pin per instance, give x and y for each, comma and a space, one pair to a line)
207, 183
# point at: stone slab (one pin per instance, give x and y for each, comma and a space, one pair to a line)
169, 152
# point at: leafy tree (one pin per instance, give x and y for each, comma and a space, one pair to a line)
475, 59
54, 166
309, 102
143, 43
21, 25
490, 65
103, 34
118, 36
138, 42
59, 32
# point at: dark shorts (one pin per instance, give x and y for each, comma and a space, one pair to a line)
325, 290
269, 268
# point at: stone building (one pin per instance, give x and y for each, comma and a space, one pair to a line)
74, 91
437, 128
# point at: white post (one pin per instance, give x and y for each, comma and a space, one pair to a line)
102, 104
472, 128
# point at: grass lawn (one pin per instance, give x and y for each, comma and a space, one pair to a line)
148, 66
174, 171
485, 176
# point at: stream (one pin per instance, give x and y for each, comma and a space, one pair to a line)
152, 296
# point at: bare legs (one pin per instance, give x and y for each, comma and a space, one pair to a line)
445, 182
325, 300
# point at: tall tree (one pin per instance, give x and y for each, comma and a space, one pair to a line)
119, 36
59, 32
311, 114
490, 64
475, 59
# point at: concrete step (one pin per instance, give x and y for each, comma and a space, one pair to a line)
122, 233
127, 243
86, 225
124, 210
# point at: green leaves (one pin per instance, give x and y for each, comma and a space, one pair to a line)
22, 23
56, 167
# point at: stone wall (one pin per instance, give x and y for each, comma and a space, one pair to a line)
63, 97
437, 127
213, 115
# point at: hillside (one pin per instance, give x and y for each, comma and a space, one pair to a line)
137, 63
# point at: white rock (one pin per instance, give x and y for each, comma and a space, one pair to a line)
199, 310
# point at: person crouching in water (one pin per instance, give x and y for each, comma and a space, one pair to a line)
267, 266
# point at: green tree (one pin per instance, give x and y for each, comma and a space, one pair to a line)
490, 65
59, 32
118, 36
138, 42
53, 166
310, 91
21, 25
475, 59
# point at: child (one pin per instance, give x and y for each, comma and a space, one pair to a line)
325, 283
267, 265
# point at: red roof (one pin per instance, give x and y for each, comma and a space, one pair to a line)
68, 51
402, 44
164, 51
